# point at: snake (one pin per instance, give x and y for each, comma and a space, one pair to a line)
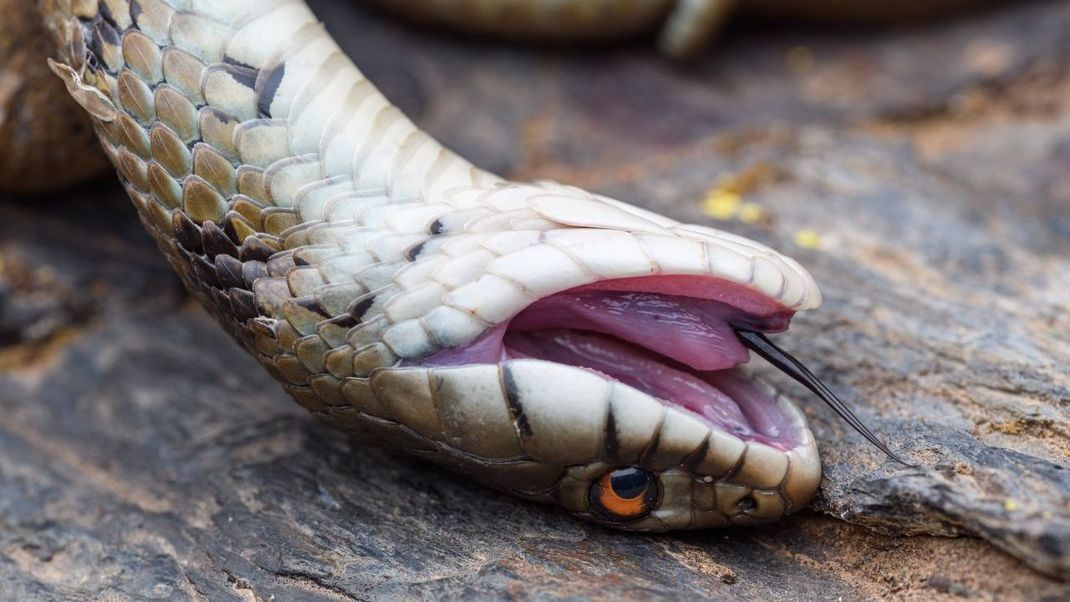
547, 341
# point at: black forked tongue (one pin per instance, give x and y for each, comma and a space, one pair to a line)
758, 343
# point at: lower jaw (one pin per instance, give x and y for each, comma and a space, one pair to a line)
727, 399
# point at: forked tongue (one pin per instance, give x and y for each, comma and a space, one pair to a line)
761, 345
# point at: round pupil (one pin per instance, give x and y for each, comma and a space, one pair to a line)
629, 483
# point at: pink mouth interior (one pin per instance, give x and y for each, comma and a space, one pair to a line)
669, 336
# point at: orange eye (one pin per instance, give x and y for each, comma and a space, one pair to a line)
623, 495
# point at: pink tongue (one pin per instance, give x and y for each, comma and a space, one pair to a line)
694, 332
632, 366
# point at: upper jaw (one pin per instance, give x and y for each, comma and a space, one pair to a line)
463, 285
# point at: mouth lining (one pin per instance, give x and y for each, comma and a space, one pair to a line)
723, 398
672, 337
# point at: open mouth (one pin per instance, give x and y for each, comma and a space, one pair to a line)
671, 337
680, 350
679, 339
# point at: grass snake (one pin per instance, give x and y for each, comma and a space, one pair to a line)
550, 342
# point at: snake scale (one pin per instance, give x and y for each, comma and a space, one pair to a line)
550, 342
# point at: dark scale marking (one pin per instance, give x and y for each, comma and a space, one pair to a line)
269, 82
221, 303
216, 242
343, 321
360, 307
94, 44
205, 271
311, 304
652, 447
414, 252
105, 13
437, 227
108, 34
224, 118
92, 62
185, 255
271, 295
301, 261
251, 271
229, 60
243, 304
228, 222
612, 444
254, 249
135, 11
695, 458
737, 466
512, 399
229, 271
187, 233
245, 76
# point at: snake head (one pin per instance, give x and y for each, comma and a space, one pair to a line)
587, 357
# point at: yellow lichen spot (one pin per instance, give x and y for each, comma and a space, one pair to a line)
807, 239
1010, 505
722, 203
1011, 427
751, 213
800, 60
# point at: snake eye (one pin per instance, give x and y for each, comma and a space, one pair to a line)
623, 495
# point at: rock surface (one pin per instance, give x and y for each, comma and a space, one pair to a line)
921, 173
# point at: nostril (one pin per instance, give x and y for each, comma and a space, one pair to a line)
747, 505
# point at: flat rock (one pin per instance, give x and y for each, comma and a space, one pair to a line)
921, 173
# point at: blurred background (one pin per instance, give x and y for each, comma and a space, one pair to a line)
920, 169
